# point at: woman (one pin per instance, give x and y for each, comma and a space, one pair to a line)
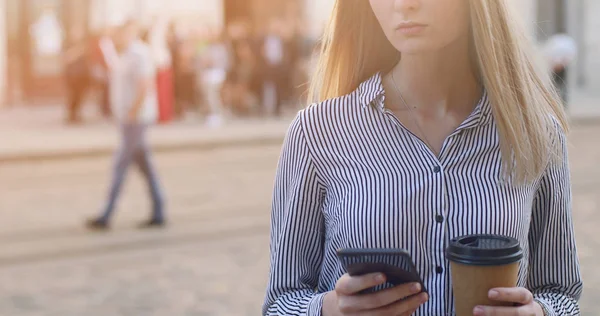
433, 122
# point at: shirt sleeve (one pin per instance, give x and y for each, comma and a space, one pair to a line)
108, 51
554, 277
144, 63
297, 231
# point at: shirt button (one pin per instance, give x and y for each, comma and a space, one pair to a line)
437, 169
439, 218
439, 270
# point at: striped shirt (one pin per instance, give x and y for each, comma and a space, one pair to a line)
350, 175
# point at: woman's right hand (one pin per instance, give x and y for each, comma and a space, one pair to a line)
398, 301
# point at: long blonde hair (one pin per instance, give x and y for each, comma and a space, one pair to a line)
524, 103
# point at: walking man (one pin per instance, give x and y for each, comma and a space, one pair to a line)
134, 103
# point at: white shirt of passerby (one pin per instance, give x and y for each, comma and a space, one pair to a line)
159, 45
273, 50
217, 56
109, 52
129, 68
560, 49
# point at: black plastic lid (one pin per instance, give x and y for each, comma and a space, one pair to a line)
484, 250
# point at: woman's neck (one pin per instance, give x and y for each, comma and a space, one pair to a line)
438, 82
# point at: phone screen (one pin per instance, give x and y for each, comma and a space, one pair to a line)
396, 264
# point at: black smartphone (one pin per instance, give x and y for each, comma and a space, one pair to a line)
396, 264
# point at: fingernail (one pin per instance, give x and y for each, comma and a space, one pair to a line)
493, 294
424, 298
416, 287
380, 278
478, 311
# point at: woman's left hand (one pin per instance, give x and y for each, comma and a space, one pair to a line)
520, 297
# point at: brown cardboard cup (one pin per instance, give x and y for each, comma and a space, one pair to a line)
479, 263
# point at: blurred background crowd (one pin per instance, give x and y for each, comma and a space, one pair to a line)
236, 59
236, 71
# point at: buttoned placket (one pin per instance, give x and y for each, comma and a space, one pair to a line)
441, 265
440, 218
440, 202
441, 211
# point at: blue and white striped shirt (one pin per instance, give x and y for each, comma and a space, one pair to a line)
350, 175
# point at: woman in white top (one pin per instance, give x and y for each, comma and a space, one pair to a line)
432, 122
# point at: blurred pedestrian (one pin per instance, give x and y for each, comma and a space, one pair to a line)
243, 84
187, 96
102, 50
179, 51
76, 73
159, 43
214, 62
274, 56
561, 51
173, 42
241, 92
134, 101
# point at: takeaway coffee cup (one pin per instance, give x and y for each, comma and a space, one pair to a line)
479, 263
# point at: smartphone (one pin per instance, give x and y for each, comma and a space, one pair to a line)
396, 264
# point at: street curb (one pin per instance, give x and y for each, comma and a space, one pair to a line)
194, 145
204, 145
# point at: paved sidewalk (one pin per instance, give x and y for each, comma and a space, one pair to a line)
38, 133
584, 108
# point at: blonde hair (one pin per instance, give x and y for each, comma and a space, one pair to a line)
525, 106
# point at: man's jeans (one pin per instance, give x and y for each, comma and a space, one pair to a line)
134, 149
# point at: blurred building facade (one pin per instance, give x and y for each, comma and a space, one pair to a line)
30, 61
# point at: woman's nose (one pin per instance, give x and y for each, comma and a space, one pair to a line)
407, 5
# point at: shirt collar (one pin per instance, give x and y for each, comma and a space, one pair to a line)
481, 115
371, 93
371, 90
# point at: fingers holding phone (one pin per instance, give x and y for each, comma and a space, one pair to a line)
403, 299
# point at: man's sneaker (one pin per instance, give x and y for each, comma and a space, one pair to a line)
153, 223
97, 224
